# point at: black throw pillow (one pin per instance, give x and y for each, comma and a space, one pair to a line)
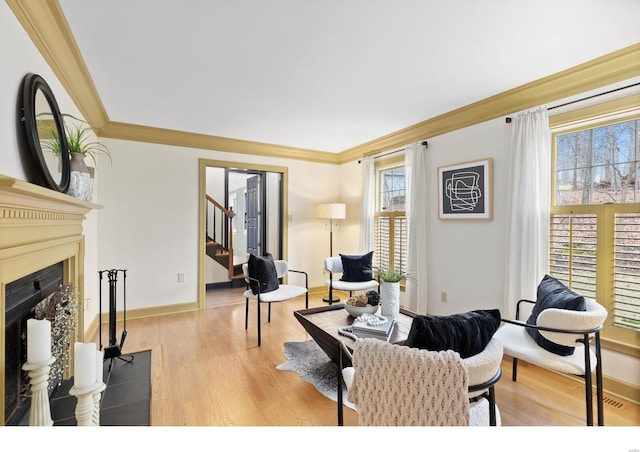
467, 333
264, 270
553, 294
357, 268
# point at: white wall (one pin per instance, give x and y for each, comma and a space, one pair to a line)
149, 225
466, 258
19, 57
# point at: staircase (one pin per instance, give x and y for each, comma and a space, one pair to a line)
222, 255
219, 236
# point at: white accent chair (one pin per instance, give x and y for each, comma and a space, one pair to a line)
333, 265
564, 327
483, 372
283, 293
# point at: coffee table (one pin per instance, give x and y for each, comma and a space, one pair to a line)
322, 325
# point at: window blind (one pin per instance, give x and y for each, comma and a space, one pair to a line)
626, 298
572, 253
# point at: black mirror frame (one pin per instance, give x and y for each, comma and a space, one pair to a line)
31, 84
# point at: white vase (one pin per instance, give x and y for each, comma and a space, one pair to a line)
390, 299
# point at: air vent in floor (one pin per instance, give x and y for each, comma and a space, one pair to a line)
615, 403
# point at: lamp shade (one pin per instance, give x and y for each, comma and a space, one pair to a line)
334, 211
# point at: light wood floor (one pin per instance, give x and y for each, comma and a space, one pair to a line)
208, 371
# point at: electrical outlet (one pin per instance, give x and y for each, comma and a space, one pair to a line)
180, 277
443, 297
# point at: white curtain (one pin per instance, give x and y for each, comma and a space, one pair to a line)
367, 207
528, 201
416, 210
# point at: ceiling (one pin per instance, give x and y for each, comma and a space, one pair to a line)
333, 74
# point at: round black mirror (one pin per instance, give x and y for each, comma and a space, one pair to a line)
44, 131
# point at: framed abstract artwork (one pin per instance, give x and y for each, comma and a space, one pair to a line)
465, 191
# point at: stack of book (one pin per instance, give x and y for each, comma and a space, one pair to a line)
363, 327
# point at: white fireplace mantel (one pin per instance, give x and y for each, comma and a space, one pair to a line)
39, 227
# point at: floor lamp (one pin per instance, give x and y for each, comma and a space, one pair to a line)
331, 211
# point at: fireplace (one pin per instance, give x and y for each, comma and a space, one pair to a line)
23, 297
40, 234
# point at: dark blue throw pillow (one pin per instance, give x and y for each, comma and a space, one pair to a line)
264, 270
553, 294
467, 333
357, 268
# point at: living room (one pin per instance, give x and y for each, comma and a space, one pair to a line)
150, 218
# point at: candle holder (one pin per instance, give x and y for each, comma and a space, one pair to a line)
97, 394
85, 405
40, 413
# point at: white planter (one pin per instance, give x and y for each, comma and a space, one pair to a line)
390, 299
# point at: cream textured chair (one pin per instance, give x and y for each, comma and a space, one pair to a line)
394, 385
483, 371
333, 266
567, 328
284, 292
471, 334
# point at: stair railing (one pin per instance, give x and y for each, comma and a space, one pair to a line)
219, 227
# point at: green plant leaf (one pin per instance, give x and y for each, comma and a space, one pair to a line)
78, 135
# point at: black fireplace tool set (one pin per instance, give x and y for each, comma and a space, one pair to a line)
114, 349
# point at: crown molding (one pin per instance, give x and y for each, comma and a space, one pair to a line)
133, 132
45, 23
621, 65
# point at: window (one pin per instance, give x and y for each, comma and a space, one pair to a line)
597, 166
392, 190
595, 220
390, 235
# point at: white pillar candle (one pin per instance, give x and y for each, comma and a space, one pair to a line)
38, 340
84, 365
99, 366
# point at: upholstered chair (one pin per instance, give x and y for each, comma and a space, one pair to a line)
560, 338
483, 372
394, 385
339, 278
262, 276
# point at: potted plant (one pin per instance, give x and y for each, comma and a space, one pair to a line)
79, 136
391, 275
390, 289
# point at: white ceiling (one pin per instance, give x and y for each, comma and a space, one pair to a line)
328, 74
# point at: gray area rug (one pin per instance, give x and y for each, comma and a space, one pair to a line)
314, 366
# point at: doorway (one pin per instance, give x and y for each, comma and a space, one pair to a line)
256, 195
